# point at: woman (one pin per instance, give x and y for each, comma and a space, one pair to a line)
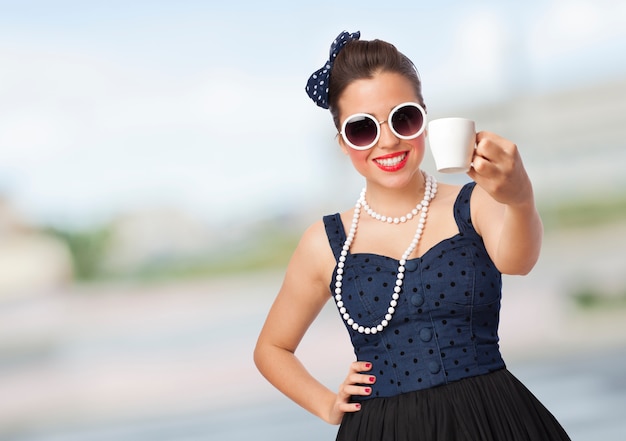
414, 270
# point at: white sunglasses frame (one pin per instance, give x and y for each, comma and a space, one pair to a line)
378, 124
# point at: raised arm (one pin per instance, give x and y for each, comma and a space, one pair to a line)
503, 205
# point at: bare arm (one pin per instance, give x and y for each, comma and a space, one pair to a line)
304, 292
503, 206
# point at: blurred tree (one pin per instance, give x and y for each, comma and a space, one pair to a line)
88, 249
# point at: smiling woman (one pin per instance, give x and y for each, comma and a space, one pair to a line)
423, 322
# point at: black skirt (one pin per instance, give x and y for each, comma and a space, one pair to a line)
492, 407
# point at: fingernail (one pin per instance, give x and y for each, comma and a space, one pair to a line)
358, 406
367, 390
368, 365
372, 379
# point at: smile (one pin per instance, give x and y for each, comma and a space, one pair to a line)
391, 162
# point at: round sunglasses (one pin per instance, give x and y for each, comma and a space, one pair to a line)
361, 131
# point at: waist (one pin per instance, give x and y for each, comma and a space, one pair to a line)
402, 371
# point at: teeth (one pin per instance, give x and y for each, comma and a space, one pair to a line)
390, 162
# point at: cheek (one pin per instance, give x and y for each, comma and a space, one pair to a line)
419, 146
359, 158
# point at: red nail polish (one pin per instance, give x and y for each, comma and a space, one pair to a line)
368, 365
358, 406
367, 390
372, 379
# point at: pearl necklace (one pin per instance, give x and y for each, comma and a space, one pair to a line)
388, 219
429, 193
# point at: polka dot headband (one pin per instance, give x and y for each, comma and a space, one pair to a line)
317, 86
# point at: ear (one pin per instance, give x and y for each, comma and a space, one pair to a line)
342, 144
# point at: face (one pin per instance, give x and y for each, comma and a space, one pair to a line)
392, 161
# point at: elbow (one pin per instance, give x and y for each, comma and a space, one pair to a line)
262, 356
257, 356
517, 268
521, 271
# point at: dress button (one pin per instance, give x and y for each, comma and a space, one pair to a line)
417, 300
426, 334
411, 265
434, 367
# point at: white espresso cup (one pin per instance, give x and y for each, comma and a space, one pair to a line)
452, 142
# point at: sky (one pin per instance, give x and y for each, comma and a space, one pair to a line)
111, 107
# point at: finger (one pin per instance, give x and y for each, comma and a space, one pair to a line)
351, 390
482, 167
361, 366
360, 379
349, 407
495, 148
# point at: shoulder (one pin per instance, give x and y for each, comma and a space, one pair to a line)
314, 237
447, 195
448, 192
486, 212
313, 252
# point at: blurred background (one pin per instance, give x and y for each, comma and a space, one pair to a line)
159, 160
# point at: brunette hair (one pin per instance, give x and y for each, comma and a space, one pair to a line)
361, 59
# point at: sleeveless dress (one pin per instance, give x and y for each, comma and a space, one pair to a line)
439, 372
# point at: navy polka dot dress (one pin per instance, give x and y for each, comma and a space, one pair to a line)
439, 372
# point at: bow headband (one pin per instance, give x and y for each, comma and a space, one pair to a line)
317, 86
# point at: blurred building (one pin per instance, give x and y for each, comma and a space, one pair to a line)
572, 141
30, 261
152, 236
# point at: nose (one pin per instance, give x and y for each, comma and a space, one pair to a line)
387, 138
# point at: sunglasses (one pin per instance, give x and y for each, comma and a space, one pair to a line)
361, 131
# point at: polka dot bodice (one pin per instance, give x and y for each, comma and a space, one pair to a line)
446, 322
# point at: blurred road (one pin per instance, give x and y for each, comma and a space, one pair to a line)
174, 361
586, 393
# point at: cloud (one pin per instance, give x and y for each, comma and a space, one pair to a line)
575, 29
82, 134
476, 64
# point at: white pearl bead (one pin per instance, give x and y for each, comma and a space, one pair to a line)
430, 189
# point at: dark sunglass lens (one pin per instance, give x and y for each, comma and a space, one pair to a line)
361, 131
407, 120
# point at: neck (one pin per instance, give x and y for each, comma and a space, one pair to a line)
396, 201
